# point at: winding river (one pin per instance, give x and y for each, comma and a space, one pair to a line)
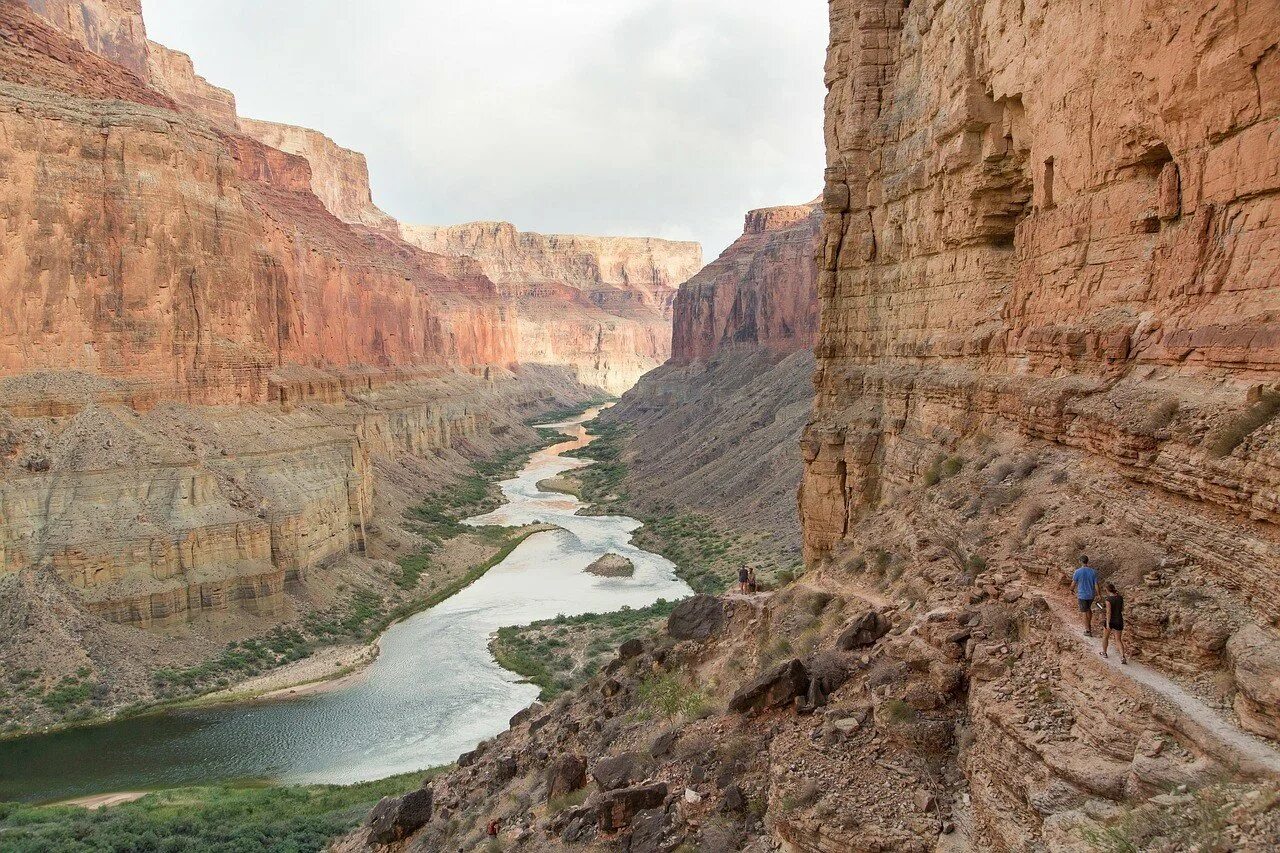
433, 693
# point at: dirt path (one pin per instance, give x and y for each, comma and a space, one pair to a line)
1235, 747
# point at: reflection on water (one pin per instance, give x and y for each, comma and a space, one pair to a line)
433, 693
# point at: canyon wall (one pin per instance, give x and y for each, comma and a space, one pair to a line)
761, 292
599, 304
713, 430
1049, 328
209, 382
339, 176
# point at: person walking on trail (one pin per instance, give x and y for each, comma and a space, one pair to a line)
753, 586
1085, 581
744, 578
1114, 624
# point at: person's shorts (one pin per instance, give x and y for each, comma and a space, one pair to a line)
1085, 604
1116, 626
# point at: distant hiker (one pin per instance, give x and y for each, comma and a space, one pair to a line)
493, 828
1114, 604
752, 585
744, 578
1085, 581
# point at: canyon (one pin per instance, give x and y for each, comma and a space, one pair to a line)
1046, 278
1032, 318
225, 376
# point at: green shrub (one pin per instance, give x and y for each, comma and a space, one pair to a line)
668, 695
1233, 433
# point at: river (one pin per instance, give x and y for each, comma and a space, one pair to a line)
433, 693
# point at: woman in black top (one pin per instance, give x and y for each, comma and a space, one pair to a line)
1114, 604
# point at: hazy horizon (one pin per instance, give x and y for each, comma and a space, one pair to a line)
627, 117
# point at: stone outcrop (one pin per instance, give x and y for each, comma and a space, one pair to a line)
339, 176
173, 73
600, 304
761, 292
112, 29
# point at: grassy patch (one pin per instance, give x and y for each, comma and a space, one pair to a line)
560, 654
668, 695
217, 819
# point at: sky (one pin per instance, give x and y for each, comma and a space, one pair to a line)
665, 118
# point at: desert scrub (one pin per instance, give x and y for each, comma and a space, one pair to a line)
667, 696
555, 805
562, 653
941, 468
897, 711
1196, 821
1232, 434
225, 818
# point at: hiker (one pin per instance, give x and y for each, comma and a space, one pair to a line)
744, 578
493, 828
752, 586
1085, 581
1114, 604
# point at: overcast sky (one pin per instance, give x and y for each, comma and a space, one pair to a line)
668, 118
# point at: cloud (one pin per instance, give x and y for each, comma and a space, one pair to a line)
663, 117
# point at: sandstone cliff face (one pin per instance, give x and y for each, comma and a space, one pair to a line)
172, 72
339, 176
761, 292
599, 304
205, 375
112, 29
1049, 328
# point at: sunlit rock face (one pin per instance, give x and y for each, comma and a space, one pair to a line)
760, 292
1049, 235
201, 365
112, 29
599, 304
339, 176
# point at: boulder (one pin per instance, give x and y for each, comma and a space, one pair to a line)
696, 618
567, 774
396, 818
863, 630
612, 566
630, 649
1255, 662
619, 771
615, 809
775, 688
649, 829
525, 713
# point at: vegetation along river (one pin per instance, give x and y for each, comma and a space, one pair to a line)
433, 693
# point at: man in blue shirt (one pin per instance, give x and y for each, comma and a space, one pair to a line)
1085, 580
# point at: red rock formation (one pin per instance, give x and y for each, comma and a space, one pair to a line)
1049, 234
339, 176
172, 73
600, 304
112, 29
760, 292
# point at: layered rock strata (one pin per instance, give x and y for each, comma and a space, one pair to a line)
761, 292
600, 304
1048, 328
712, 430
217, 397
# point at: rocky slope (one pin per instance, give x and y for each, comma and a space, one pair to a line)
713, 430
1048, 328
600, 304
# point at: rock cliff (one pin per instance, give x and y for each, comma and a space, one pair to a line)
339, 176
216, 396
600, 304
1048, 329
760, 292
712, 430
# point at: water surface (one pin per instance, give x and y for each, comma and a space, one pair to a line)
433, 693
